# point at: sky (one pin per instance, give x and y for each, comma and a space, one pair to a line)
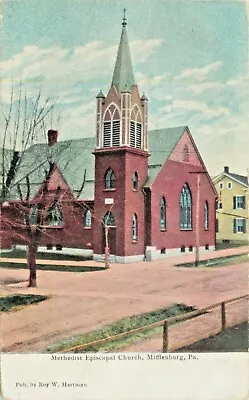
189, 57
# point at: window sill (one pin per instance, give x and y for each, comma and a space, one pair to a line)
186, 229
109, 190
206, 229
87, 228
134, 241
163, 230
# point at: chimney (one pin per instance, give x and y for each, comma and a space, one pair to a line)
226, 170
52, 137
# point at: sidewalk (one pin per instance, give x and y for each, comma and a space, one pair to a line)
168, 260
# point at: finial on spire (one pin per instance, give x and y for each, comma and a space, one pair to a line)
124, 23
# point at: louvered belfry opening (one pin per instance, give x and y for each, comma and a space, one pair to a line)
111, 135
136, 129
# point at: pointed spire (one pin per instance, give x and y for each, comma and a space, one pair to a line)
123, 77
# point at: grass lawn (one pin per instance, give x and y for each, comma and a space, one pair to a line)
17, 301
232, 339
48, 267
123, 325
218, 262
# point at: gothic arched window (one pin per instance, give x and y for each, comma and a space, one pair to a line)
88, 219
109, 219
135, 181
111, 135
136, 128
185, 208
186, 153
134, 227
110, 179
54, 216
206, 216
163, 214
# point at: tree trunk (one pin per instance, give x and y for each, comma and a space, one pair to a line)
31, 261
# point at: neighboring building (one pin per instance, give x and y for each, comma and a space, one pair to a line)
142, 185
232, 207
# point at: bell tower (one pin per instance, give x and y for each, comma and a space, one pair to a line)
121, 153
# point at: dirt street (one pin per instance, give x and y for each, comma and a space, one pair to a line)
81, 302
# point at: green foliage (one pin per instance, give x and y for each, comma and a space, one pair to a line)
8, 303
123, 325
218, 262
65, 268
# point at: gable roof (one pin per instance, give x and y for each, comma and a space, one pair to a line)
161, 144
74, 159
243, 180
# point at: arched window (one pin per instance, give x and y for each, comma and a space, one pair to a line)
134, 227
163, 214
206, 216
185, 208
54, 216
88, 219
135, 181
186, 153
136, 128
109, 179
111, 127
33, 215
109, 219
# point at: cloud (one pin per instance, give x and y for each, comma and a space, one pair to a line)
199, 74
197, 106
198, 88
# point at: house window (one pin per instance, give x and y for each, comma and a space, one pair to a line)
229, 185
185, 208
218, 204
109, 179
111, 136
183, 249
88, 219
134, 227
190, 249
206, 216
163, 214
186, 154
239, 202
135, 181
54, 216
221, 185
239, 225
109, 219
33, 215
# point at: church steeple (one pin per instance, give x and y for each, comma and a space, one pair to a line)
122, 114
123, 78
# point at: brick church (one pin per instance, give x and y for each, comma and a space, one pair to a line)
150, 188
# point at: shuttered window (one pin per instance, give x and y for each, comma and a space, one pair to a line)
239, 202
239, 225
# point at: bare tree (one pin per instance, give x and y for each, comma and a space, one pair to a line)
25, 123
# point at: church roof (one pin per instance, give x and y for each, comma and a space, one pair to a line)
76, 161
161, 144
123, 78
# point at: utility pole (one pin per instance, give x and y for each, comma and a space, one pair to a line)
107, 250
197, 216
